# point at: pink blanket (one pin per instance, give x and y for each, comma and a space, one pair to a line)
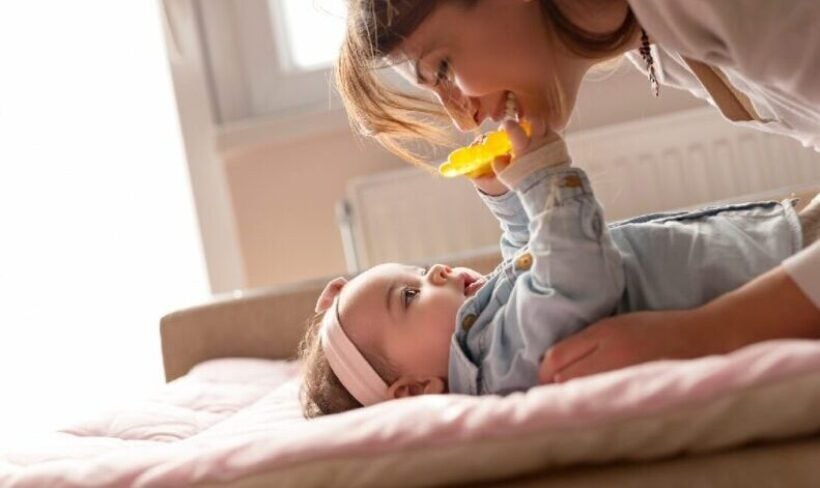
234, 419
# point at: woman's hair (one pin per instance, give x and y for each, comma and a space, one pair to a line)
376, 27
322, 393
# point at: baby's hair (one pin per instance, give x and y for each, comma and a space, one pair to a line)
395, 118
322, 393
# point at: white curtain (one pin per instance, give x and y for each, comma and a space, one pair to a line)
98, 233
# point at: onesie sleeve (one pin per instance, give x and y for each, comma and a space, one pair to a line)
512, 218
804, 269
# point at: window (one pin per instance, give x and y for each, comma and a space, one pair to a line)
99, 232
313, 31
270, 58
268, 68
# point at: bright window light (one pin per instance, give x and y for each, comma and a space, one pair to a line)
99, 233
313, 30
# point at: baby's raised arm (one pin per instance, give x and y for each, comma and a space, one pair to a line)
512, 218
571, 273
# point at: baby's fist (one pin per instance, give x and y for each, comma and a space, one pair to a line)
522, 143
489, 183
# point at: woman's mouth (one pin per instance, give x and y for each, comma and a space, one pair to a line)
512, 107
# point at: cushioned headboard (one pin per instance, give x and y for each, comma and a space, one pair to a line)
265, 323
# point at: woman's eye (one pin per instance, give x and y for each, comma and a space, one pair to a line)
408, 294
443, 72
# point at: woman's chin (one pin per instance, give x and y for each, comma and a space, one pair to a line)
551, 123
540, 127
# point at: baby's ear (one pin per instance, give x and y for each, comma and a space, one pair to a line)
408, 386
329, 293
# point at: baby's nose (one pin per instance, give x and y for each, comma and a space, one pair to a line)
440, 272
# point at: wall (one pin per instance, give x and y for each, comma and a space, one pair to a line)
284, 197
284, 190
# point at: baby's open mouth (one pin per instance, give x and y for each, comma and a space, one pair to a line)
472, 284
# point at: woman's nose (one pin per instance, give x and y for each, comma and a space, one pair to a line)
438, 274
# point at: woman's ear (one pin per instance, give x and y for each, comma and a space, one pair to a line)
408, 386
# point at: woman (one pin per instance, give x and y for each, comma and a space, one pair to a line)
756, 61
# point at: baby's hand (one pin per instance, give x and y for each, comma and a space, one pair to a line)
489, 183
523, 144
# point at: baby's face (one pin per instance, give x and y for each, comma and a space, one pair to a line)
407, 313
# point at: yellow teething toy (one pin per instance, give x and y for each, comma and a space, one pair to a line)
476, 160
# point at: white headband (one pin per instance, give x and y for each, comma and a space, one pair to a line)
352, 369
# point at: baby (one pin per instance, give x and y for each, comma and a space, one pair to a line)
397, 331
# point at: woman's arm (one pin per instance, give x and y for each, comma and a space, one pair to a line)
771, 306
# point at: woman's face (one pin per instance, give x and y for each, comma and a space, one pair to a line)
473, 58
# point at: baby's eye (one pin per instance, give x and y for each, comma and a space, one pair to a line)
408, 294
443, 72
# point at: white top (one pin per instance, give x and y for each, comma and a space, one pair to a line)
804, 268
768, 50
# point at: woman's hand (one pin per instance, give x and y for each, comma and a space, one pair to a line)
629, 339
770, 306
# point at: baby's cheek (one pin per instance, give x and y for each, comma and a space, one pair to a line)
442, 355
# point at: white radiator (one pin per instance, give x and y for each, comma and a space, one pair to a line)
660, 163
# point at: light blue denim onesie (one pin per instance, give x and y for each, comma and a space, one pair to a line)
565, 269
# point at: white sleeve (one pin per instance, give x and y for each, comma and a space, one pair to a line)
775, 43
804, 268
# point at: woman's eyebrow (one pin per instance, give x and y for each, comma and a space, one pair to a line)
423, 52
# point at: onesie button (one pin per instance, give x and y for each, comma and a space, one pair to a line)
571, 181
468, 321
524, 262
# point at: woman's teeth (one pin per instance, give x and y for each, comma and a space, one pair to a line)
511, 109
